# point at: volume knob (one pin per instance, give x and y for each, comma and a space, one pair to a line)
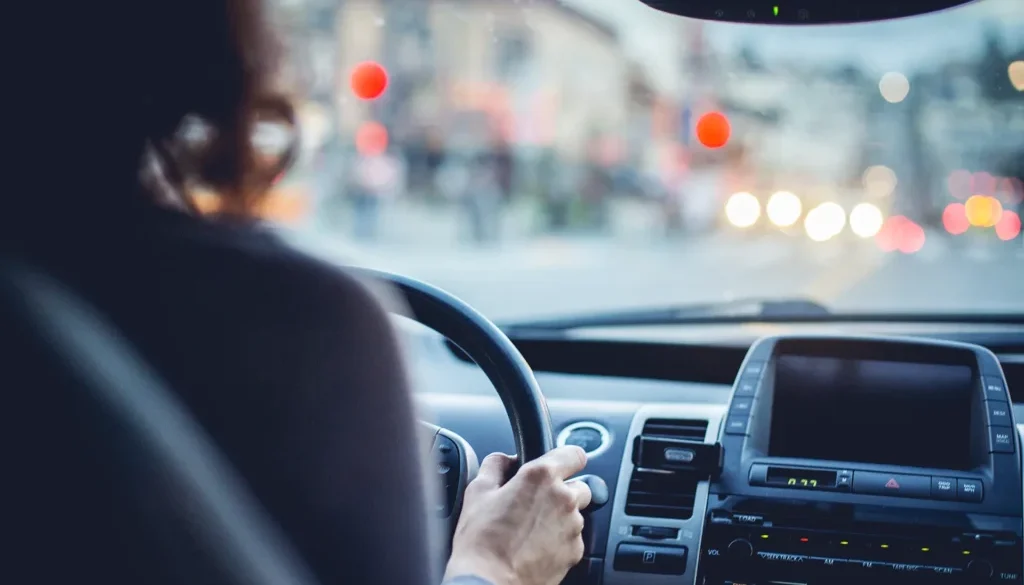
980, 568
740, 548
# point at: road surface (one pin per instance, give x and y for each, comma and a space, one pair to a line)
546, 276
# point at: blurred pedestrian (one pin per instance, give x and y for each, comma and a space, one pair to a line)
375, 177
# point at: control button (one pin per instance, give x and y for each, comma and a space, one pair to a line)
754, 369
885, 484
944, 488
969, 490
643, 558
656, 532
998, 413
736, 425
741, 406
747, 386
740, 549
749, 519
844, 479
980, 568
976, 540
678, 455
1001, 439
994, 389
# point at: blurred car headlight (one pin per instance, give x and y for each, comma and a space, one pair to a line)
742, 210
783, 209
825, 221
866, 220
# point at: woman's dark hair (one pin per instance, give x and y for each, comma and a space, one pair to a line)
176, 90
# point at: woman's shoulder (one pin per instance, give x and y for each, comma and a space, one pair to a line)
292, 273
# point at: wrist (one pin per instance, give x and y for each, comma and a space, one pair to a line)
488, 570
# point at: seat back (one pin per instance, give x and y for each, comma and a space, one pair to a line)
108, 478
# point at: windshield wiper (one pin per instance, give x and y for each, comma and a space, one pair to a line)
734, 311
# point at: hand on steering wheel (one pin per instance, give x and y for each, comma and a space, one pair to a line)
534, 519
527, 410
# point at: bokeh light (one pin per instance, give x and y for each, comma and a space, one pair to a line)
894, 87
1010, 191
911, 238
784, 209
900, 233
825, 221
742, 210
983, 184
983, 210
372, 139
713, 130
1008, 226
368, 80
1016, 73
959, 183
879, 181
866, 220
954, 219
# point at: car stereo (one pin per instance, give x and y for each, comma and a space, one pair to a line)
856, 459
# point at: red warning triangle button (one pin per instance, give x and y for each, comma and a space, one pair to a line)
892, 484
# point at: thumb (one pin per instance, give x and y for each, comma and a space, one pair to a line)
494, 470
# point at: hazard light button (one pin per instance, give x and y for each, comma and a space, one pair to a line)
896, 484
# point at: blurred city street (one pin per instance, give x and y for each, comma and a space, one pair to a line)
596, 156
526, 276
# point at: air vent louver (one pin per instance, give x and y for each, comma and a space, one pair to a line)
666, 494
692, 430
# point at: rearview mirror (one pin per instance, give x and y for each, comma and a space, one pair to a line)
801, 12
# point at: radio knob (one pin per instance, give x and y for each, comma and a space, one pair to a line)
740, 548
980, 568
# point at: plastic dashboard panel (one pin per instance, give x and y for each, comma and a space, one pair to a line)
689, 529
463, 401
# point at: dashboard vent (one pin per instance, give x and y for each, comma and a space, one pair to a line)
654, 494
691, 430
660, 493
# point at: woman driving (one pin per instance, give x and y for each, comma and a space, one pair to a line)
281, 357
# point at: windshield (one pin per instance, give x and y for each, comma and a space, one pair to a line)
543, 157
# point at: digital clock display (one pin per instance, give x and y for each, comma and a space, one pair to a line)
796, 477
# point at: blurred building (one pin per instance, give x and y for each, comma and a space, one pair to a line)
539, 73
805, 128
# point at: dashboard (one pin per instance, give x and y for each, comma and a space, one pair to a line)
795, 459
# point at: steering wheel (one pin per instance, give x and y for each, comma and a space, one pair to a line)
507, 370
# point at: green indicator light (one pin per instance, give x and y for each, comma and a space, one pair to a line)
775, 10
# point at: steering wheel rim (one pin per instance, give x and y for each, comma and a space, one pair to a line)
493, 352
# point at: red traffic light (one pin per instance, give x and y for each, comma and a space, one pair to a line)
368, 80
713, 130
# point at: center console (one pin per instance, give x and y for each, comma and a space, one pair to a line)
837, 461
865, 461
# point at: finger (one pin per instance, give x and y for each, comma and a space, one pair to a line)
577, 524
577, 550
564, 461
494, 470
581, 491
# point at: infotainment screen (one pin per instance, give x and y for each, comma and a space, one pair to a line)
872, 411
